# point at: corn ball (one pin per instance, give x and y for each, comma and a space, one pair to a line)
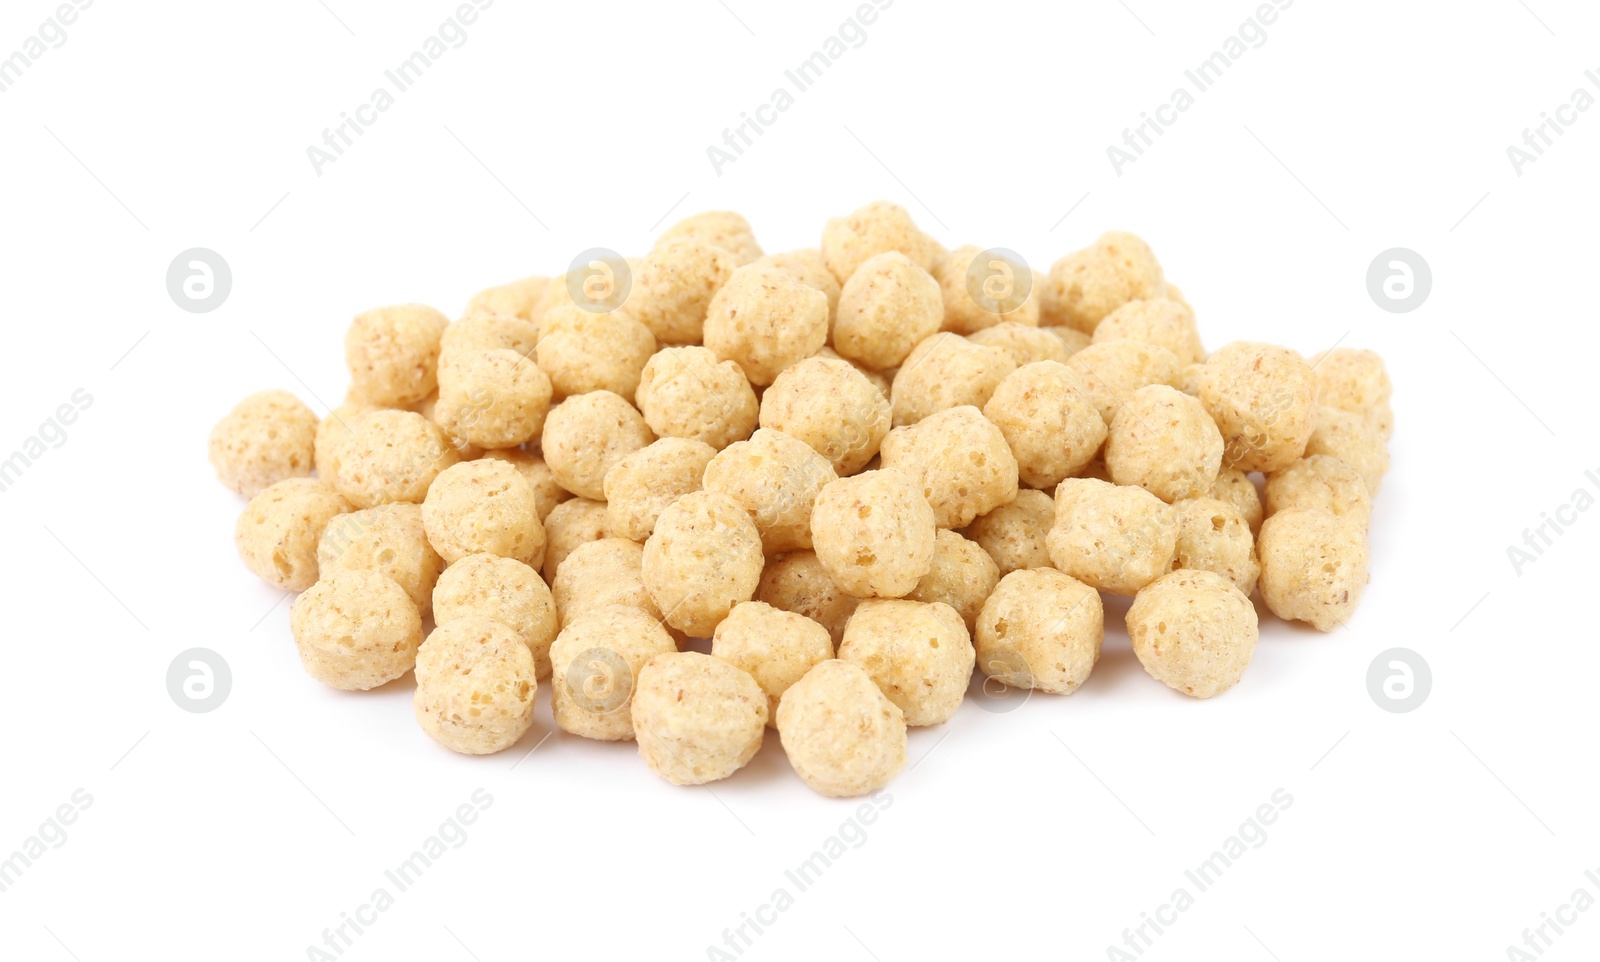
874, 534
595, 664
1009, 284
886, 308
429, 408
1114, 538
1044, 412
1163, 440
333, 437
586, 435
798, 583
962, 576
777, 479
765, 321
584, 351
1023, 344
1314, 566
267, 437
807, 267
1355, 380
640, 486
685, 392
393, 353
389, 539
719, 228
843, 737
776, 647
831, 406
704, 557
505, 590
356, 629
546, 492
1235, 488
483, 507
1348, 437
1113, 370
947, 371
1085, 286
494, 399
601, 573
880, 227
673, 287
486, 331
1263, 399
920, 655
1213, 536
697, 718
1157, 321
1015, 534
475, 686
1040, 629
278, 533
960, 461
568, 525
1194, 632
1320, 482
515, 299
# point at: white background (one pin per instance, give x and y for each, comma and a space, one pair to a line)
1044, 832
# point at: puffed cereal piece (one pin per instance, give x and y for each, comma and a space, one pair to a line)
879, 227
719, 228
963, 315
389, 539
514, 299
1194, 632
1024, 344
568, 525
1113, 370
1347, 436
1114, 538
1046, 415
842, 736
392, 456
1213, 536
1320, 482
334, 434
947, 371
546, 492
505, 590
267, 437
595, 665
697, 719
640, 486
959, 460
1085, 286
919, 654
1014, 534
278, 532
584, 351
1263, 399
586, 435
776, 647
777, 479
962, 576
674, 285
1163, 440
1314, 567
886, 308
1040, 629
1235, 488
798, 583
475, 686
1157, 321
486, 331
807, 267
483, 507
831, 406
1073, 339
765, 321
685, 392
874, 533
704, 558
601, 573
1355, 380
355, 630
393, 353
494, 399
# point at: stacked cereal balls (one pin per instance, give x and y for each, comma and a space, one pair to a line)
863, 472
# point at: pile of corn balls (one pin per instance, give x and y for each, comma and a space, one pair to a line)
860, 471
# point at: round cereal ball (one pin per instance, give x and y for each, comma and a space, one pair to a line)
475, 686
765, 321
1040, 629
586, 435
601, 573
1044, 412
777, 479
278, 532
515, 299
1314, 566
920, 655
944, 372
959, 460
1193, 631
674, 285
1320, 482
831, 406
1157, 321
807, 266
798, 583
1071, 338
393, 353
874, 534
1213, 536
640, 486
546, 492
1352, 379
494, 399
1234, 487
704, 558
1113, 370
685, 392
505, 590
1085, 286
483, 507
584, 351
880, 227
1163, 440
1114, 538
267, 437
1006, 284
776, 647
568, 525
1263, 399
486, 331
842, 736
1023, 344
886, 308
389, 539
720, 228
1348, 437
355, 629
595, 665
334, 434
962, 576
1014, 534
697, 718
